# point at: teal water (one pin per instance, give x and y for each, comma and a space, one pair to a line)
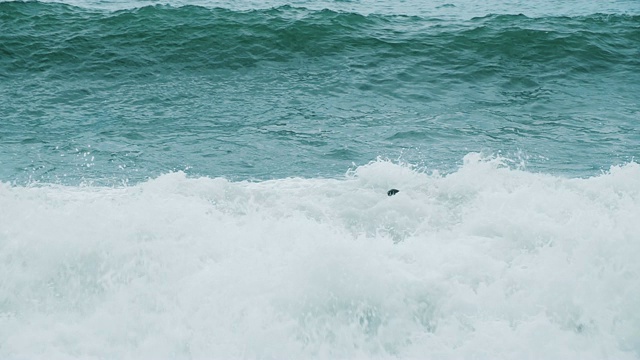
207, 179
100, 95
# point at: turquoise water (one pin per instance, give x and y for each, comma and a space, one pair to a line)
207, 179
106, 96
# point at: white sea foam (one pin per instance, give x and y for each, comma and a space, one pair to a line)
486, 262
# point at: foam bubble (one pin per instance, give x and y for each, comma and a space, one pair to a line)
487, 262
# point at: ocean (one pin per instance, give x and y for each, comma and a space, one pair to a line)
203, 179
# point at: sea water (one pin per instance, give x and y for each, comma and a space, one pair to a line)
207, 179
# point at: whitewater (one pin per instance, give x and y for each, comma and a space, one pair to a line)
488, 262
207, 179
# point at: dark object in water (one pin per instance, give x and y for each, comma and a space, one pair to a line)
392, 192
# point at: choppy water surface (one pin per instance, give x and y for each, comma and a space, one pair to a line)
290, 91
208, 179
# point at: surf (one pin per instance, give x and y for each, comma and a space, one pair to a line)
488, 259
